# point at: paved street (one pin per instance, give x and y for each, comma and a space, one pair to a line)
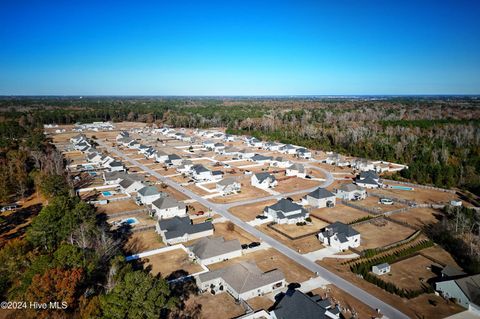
222, 209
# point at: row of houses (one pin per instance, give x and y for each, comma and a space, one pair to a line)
95, 159
95, 126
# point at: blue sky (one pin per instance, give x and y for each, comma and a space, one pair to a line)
239, 47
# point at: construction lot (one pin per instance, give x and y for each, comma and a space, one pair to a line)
294, 231
249, 212
340, 212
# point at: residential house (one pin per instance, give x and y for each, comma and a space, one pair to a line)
297, 170
245, 154
272, 146
381, 269
122, 135
368, 179
173, 160
320, 198
161, 156
229, 138
243, 280
280, 162
288, 149
304, 153
218, 147
254, 142
129, 185
286, 212
185, 167
217, 175
351, 192
261, 159
230, 151
115, 166
362, 164
339, 236
168, 207
180, 229
228, 186
148, 194
465, 291
264, 180
210, 250
297, 305
201, 173
209, 145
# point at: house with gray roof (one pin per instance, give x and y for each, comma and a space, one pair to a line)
261, 159
243, 280
320, 198
201, 173
128, 185
297, 305
280, 162
288, 149
297, 170
148, 194
228, 186
210, 250
168, 207
180, 229
465, 291
263, 180
173, 160
286, 212
304, 153
351, 192
339, 236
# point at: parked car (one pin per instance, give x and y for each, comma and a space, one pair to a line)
261, 217
385, 201
308, 177
9, 207
244, 246
253, 244
200, 213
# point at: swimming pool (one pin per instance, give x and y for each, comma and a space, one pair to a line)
129, 221
403, 188
92, 173
106, 194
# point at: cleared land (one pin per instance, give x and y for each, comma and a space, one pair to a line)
411, 273
419, 217
118, 207
372, 203
293, 230
420, 195
295, 184
340, 212
379, 233
143, 241
216, 306
168, 262
302, 245
249, 212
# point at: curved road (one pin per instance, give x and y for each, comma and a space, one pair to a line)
222, 209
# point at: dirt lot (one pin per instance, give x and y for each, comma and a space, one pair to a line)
419, 217
237, 233
420, 195
372, 203
340, 212
270, 259
143, 241
303, 245
295, 231
247, 191
259, 303
347, 301
410, 273
295, 184
248, 212
216, 306
170, 261
373, 236
117, 207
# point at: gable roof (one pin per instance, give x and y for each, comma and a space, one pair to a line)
244, 276
259, 157
366, 180
369, 174
297, 167
320, 193
350, 188
470, 286
179, 226
208, 247
263, 176
227, 181
199, 168
340, 228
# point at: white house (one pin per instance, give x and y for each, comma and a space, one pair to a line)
286, 212
288, 149
272, 146
201, 173
336, 159
243, 280
381, 269
368, 179
263, 180
228, 186
129, 185
298, 305
280, 162
185, 167
245, 154
180, 229
210, 250
339, 236
209, 145
160, 156
304, 153
122, 134
297, 170
464, 291
230, 151
363, 165
320, 198
173, 160
261, 159
229, 138
218, 147
168, 207
148, 194
94, 158
351, 192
